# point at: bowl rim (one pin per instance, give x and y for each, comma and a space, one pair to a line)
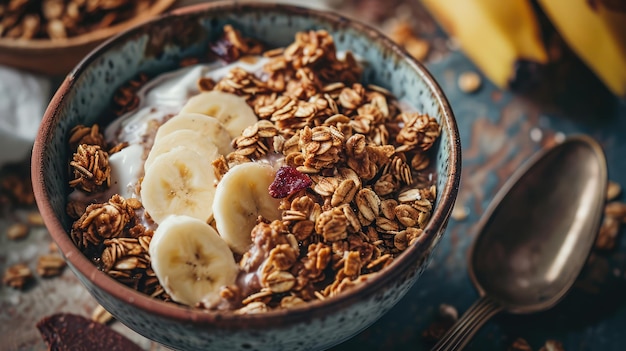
273, 318
94, 36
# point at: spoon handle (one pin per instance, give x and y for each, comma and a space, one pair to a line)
470, 322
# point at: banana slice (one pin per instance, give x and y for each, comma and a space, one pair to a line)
241, 196
181, 182
190, 259
231, 110
210, 128
182, 138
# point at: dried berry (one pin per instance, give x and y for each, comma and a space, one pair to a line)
288, 180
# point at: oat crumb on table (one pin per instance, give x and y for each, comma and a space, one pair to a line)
469, 82
17, 276
520, 344
17, 231
50, 265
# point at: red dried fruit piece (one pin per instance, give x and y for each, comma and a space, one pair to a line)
224, 49
66, 331
288, 180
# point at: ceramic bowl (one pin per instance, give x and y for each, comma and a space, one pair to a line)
54, 57
157, 46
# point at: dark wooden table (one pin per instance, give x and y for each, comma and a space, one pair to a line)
499, 131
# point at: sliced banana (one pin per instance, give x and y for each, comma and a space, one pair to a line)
231, 110
181, 182
190, 259
182, 138
209, 127
241, 196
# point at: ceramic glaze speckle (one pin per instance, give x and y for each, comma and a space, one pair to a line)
157, 47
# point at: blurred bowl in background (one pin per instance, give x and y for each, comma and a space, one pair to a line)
58, 57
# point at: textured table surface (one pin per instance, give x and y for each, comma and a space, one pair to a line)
499, 131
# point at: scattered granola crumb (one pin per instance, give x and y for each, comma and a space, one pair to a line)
34, 218
53, 247
552, 345
469, 82
460, 213
613, 191
402, 33
17, 276
519, 344
17, 231
50, 265
418, 48
446, 316
614, 216
448, 312
617, 210
101, 315
607, 236
18, 188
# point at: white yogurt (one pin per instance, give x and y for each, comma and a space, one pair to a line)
167, 94
159, 99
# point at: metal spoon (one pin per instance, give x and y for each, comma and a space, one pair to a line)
536, 235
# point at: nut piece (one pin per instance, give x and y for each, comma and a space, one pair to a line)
418, 48
520, 345
402, 33
459, 213
17, 276
34, 218
613, 190
617, 210
469, 82
50, 265
101, 315
552, 345
53, 247
607, 234
17, 231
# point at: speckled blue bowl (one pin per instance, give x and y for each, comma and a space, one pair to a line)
157, 46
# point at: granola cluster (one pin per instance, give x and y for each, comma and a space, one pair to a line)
112, 232
61, 19
356, 189
614, 218
369, 199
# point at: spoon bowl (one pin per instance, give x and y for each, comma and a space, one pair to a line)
536, 235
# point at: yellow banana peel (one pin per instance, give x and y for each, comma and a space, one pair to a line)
596, 34
496, 35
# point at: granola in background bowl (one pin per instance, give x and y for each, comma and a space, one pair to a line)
52, 36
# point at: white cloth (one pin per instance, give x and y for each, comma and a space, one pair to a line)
23, 100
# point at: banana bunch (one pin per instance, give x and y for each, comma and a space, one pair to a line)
189, 257
504, 38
